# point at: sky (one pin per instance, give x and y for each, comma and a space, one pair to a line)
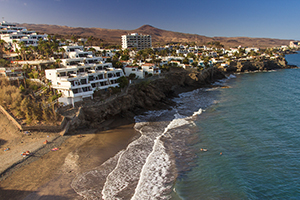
226, 18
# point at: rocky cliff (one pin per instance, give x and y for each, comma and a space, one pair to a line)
256, 65
146, 95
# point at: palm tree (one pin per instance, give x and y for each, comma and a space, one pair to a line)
153, 56
15, 44
104, 53
126, 52
23, 50
58, 61
62, 51
2, 44
115, 57
138, 55
90, 40
74, 39
33, 51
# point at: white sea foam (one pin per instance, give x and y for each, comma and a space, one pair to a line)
178, 121
198, 112
211, 89
154, 175
128, 168
231, 76
87, 184
127, 172
145, 165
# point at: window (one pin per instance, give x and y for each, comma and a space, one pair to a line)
75, 91
91, 78
83, 81
100, 76
86, 89
62, 74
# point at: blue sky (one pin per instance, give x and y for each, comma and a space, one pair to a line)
231, 18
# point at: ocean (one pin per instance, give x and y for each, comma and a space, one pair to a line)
240, 141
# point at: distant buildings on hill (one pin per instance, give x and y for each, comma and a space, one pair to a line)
294, 44
137, 41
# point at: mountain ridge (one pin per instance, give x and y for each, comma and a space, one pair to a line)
159, 36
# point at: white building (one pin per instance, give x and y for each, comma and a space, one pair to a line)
137, 41
151, 68
79, 77
12, 73
294, 44
139, 73
249, 49
13, 35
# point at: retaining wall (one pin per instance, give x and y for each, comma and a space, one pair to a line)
62, 127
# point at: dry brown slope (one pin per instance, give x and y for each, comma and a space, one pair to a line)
158, 35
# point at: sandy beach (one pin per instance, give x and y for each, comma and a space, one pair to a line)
48, 174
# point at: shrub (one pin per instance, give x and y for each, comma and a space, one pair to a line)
22, 89
123, 82
132, 76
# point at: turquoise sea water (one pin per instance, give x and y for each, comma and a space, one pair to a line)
255, 124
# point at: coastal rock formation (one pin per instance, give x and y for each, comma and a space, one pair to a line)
146, 95
254, 65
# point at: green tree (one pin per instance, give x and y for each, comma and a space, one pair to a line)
132, 76
74, 38
123, 82
125, 57
62, 51
4, 63
185, 61
195, 64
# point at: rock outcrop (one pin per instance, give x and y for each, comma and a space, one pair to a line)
146, 95
254, 65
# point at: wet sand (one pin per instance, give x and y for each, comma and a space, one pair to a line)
50, 175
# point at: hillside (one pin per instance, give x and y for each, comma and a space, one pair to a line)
159, 36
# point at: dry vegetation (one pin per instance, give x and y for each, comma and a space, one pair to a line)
24, 106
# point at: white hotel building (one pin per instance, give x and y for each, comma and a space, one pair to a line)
81, 74
137, 41
12, 35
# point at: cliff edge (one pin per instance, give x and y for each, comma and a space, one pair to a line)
143, 96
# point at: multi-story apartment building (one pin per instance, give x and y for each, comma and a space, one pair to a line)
81, 74
137, 41
12, 35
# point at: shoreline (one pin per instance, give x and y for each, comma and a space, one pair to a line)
50, 175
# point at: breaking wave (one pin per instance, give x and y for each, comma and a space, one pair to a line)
149, 166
